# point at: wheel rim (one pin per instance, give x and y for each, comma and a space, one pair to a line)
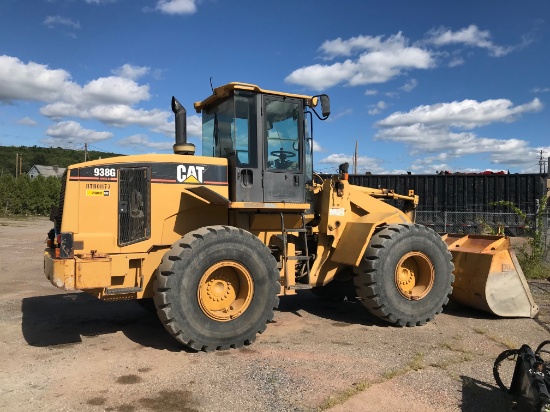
414, 275
225, 291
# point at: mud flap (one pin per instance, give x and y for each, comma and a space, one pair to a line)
488, 276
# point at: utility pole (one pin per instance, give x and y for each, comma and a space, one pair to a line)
542, 164
355, 160
85, 152
18, 164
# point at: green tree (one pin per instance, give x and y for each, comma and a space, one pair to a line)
26, 196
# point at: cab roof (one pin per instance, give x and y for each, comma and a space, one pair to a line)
222, 92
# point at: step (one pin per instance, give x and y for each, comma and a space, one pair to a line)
122, 291
299, 230
300, 287
301, 258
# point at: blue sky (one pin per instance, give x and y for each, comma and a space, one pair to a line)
421, 86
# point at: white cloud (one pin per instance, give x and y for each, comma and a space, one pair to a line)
128, 71
52, 21
456, 61
371, 92
122, 115
467, 113
364, 163
27, 121
469, 36
541, 90
377, 108
194, 126
36, 82
339, 47
320, 77
58, 110
378, 61
177, 6
340, 114
32, 81
112, 90
110, 100
72, 132
317, 147
432, 129
429, 164
409, 86
140, 141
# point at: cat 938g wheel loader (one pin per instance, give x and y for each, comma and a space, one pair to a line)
215, 239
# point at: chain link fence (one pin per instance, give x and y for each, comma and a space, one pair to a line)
484, 223
473, 222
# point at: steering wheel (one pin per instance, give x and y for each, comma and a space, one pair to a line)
283, 154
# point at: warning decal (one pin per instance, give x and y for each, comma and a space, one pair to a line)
95, 193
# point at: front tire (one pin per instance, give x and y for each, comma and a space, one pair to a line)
405, 276
216, 288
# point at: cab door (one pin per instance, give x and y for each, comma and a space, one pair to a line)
283, 150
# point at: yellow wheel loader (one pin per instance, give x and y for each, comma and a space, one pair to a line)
215, 239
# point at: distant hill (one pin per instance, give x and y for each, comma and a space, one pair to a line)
44, 156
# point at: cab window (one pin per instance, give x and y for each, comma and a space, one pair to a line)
283, 137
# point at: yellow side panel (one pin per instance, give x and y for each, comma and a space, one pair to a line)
93, 273
91, 206
353, 243
357, 235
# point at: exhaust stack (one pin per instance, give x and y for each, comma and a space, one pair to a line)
181, 146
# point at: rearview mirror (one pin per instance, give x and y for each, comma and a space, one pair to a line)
325, 105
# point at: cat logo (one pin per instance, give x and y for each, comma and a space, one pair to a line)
189, 174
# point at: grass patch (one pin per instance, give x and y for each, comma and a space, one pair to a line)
416, 363
341, 397
444, 364
454, 347
495, 338
463, 355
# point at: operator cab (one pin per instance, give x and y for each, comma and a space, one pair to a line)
264, 136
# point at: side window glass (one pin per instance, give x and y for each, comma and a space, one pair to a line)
230, 130
245, 131
282, 131
218, 130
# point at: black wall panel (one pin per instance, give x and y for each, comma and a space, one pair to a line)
463, 192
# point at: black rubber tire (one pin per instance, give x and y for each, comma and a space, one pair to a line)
375, 276
511, 355
178, 280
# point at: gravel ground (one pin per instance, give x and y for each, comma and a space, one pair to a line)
68, 351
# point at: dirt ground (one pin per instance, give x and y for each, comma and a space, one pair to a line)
64, 351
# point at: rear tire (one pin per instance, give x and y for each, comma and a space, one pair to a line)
405, 276
216, 288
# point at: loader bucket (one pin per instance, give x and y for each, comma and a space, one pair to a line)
488, 276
